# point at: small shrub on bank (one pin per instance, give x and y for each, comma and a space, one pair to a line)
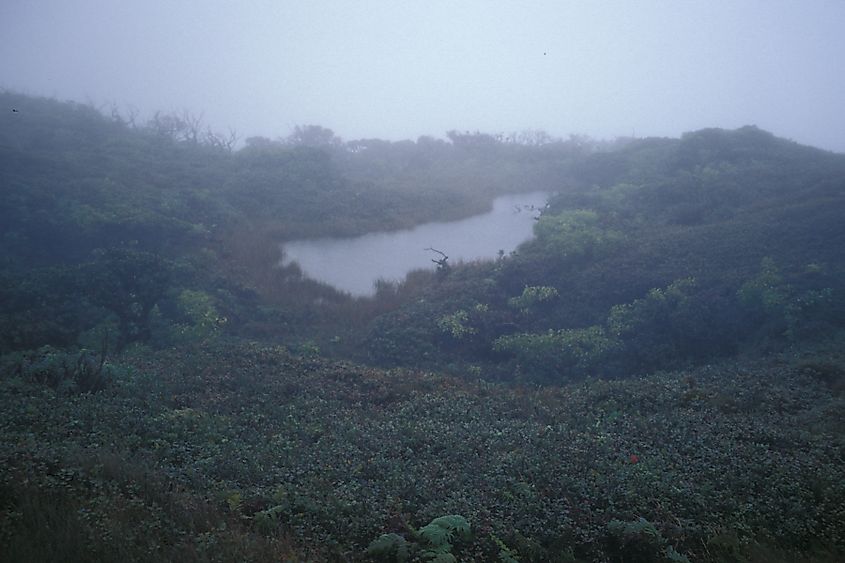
68, 373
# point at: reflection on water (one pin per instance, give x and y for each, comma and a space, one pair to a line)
354, 264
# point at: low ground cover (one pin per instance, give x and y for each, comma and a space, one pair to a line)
243, 450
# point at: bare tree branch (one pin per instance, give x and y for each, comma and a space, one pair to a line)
442, 263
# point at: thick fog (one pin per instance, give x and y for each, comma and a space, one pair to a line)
396, 69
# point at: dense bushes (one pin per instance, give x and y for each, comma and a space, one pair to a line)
618, 251
781, 309
556, 356
66, 372
98, 192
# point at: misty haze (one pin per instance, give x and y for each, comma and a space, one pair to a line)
422, 281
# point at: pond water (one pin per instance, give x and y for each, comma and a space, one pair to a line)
354, 264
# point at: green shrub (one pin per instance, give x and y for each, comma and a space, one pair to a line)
506, 554
780, 308
69, 373
766, 292
658, 329
129, 283
640, 541
575, 235
467, 323
198, 307
404, 337
558, 354
389, 547
439, 535
532, 296
455, 325
433, 542
656, 308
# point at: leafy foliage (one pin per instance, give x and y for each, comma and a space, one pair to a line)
532, 296
574, 235
433, 542
777, 305
639, 540
441, 532
129, 284
559, 355
67, 372
199, 309
455, 324
390, 547
660, 326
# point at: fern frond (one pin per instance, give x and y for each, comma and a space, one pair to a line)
453, 522
437, 536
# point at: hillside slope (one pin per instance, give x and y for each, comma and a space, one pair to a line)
657, 376
748, 225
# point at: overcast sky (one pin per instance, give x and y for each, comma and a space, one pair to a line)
399, 69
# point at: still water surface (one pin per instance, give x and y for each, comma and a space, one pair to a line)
354, 264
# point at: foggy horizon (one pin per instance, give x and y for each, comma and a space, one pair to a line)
400, 71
